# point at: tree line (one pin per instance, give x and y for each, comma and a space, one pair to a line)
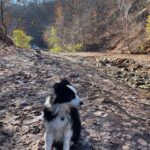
74, 25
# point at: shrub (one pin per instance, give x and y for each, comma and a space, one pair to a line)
52, 40
56, 45
21, 39
148, 26
138, 50
56, 49
142, 45
74, 48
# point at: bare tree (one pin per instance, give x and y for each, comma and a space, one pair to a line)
124, 8
3, 19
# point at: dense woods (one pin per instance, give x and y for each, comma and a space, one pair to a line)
88, 25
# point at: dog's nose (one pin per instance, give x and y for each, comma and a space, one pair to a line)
81, 103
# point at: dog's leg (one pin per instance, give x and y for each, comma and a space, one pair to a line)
67, 140
48, 141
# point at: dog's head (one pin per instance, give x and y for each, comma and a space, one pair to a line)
66, 93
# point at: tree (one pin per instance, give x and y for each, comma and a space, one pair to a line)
21, 39
3, 19
124, 7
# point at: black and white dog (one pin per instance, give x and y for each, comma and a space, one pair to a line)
62, 120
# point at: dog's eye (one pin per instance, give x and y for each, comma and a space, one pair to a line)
72, 96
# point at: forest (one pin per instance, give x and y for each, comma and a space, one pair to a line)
79, 25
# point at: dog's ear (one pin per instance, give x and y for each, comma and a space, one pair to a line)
57, 88
64, 82
61, 87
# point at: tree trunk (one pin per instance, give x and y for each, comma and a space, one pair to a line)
2, 19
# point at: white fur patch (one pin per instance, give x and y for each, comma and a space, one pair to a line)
47, 102
58, 127
67, 139
72, 88
76, 101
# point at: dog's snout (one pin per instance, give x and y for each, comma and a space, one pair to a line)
81, 103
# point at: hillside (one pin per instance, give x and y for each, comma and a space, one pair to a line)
96, 25
114, 115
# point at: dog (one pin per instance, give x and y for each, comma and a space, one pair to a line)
62, 119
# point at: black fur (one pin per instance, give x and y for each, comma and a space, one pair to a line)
76, 125
63, 93
48, 115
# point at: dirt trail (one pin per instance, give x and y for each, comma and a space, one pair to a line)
114, 116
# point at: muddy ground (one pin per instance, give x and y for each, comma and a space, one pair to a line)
115, 116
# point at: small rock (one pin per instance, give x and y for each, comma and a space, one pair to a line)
125, 147
139, 82
107, 101
98, 113
120, 61
73, 75
98, 65
142, 142
23, 103
146, 87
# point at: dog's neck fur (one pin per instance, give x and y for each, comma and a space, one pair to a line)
61, 109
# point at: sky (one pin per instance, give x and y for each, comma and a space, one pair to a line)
27, 0
16, 0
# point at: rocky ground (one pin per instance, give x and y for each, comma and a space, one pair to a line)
133, 70
115, 115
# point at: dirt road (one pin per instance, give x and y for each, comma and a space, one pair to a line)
114, 116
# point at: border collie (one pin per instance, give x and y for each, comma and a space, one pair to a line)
62, 120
